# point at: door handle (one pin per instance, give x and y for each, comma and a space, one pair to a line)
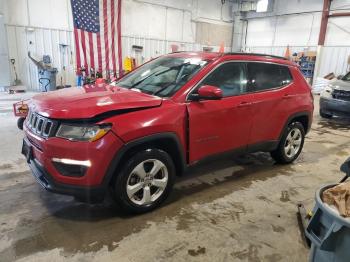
288, 96
244, 104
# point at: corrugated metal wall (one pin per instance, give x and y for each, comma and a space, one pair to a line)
4, 56
156, 47
334, 58
41, 41
297, 23
279, 50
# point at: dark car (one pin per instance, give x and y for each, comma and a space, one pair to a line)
335, 99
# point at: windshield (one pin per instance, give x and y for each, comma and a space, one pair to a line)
346, 77
162, 76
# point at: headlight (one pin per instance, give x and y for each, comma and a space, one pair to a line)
82, 133
327, 92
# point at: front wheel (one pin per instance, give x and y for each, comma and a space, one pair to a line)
145, 181
291, 144
20, 122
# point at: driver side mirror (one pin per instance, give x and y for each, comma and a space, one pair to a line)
207, 92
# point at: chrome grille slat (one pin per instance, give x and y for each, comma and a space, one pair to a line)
34, 121
341, 94
30, 118
40, 125
47, 128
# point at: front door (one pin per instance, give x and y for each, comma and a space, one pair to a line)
217, 126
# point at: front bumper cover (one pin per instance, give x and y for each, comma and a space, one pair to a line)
335, 106
47, 182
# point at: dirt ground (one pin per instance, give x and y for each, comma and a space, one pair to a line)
237, 209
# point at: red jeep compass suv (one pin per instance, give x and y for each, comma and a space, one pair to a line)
134, 136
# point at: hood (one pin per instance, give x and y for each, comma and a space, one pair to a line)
90, 101
340, 85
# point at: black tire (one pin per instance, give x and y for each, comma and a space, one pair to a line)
279, 155
20, 122
122, 179
325, 115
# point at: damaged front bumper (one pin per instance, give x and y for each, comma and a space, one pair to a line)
335, 107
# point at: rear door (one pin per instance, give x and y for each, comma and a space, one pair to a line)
217, 126
272, 85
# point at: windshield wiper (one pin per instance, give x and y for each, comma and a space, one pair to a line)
157, 74
140, 81
175, 84
162, 89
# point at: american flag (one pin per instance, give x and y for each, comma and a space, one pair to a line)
97, 34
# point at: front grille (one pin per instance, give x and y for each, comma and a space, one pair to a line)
341, 95
40, 125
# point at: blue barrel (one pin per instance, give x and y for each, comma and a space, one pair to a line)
47, 79
329, 233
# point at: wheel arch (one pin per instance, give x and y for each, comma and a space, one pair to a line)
169, 142
303, 117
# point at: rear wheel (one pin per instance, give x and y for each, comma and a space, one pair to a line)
325, 115
145, 181
291, 144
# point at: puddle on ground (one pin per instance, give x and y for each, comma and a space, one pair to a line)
284, 196
78, 227
278, 229
196, 252
342, 153
339, 124
5, 166
249, 254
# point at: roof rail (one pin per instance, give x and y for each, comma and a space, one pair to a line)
178, 52
256, 54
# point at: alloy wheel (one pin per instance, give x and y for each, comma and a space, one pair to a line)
147, 182
293, 143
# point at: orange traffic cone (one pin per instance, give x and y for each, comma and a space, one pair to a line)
287, 53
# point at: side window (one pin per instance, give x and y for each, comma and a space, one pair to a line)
264, 76
230, 78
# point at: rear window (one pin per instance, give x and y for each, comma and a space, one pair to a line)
263, 76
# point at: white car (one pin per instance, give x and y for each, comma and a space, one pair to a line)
335, 98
